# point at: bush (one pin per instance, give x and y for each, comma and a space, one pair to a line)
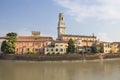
53, 53
31, 52
48, 53
58, 53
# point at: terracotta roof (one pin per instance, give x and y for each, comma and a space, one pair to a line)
32, 38
70, 35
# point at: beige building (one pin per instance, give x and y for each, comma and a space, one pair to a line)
114, 47
106, 47
56, 47
1, 40
85, 40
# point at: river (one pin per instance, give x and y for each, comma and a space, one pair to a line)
60, 70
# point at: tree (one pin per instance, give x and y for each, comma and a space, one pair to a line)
9, 45
97, 48
4, 47
94, 49
11, 34
71, 46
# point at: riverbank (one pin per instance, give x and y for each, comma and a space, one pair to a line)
58, 57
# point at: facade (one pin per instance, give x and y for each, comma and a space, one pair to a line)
106, 47
78, 45
1, 40
85, 40
31, 43
56, 47
114, 47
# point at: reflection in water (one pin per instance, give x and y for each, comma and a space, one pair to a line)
94, 70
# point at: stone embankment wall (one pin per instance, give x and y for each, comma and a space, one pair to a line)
58, 57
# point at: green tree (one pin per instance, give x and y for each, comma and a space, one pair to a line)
94, 49
4, 46
11, 34
9, 45
71, 46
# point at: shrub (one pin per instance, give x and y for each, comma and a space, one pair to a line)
58, 53
53, 53
48, 53
31, 52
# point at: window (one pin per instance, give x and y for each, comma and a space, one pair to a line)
36, 43
39, 50
56, 49
22, 50
62, 18
61, 45
56, 45
28, 49
51, 49
36, 49
33, 49
106, 51
61, 49
65, 45
33, 44
17, 49
28, 44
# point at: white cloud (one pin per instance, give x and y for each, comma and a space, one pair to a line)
107, 10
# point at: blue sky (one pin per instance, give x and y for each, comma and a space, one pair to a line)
82, 17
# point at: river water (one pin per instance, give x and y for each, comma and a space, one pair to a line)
61, 70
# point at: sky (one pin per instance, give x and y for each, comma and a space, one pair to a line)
82, 17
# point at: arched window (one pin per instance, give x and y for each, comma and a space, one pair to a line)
56, 49
62, 18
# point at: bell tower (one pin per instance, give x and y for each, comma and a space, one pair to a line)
61, 26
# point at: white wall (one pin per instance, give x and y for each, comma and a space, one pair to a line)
57, 46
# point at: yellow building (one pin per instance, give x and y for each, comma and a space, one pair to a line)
85, 40
106, 47
114, 47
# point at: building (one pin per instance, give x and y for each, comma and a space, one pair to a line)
78, 45
106, 47
1, 40
85, 40
115, 47
56, 47
61, 26
33, 43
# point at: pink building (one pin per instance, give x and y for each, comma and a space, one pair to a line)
33, 43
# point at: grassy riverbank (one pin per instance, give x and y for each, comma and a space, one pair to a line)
57, 57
